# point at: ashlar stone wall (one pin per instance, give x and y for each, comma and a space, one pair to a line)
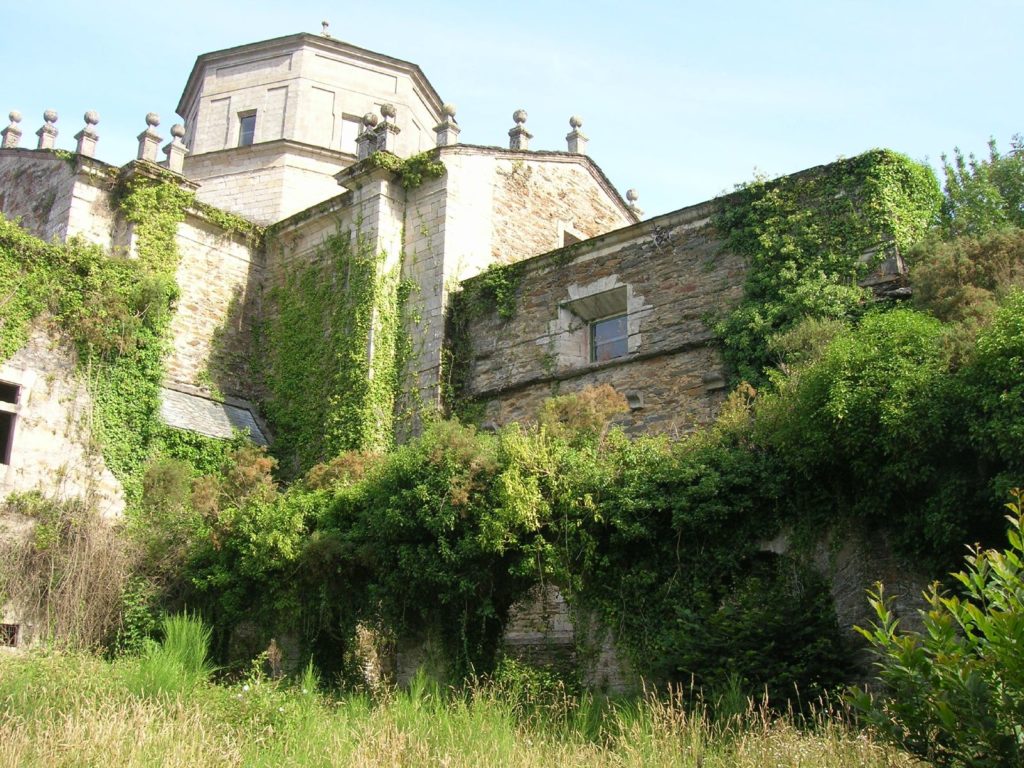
57, 197
218, 278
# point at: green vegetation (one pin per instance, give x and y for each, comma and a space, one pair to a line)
332, 351
804, 238
955, 692
413, 170
159, 709
870, 419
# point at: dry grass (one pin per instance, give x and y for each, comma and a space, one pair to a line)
75, 710
66, 572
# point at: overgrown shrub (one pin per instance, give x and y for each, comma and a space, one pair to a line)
954, 693
66, 572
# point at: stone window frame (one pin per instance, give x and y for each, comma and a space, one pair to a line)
592, 332
569, 332
242, 117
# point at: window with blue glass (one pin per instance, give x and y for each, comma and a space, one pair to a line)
608, 338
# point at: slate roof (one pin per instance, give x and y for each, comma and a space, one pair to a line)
207, 417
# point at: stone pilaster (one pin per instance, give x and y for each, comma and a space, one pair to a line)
387, 131
149, 139
176, 149
631, 197
366, 141
447, 130
575, 138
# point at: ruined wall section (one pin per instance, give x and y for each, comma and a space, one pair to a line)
52, 446
668, 276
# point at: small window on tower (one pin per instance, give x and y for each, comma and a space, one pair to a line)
246, 129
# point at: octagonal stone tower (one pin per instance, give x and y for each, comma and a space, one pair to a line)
270, 123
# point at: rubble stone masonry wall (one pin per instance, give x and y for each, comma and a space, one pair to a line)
52, 447
670, 277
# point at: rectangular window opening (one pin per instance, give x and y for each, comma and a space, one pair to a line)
9, 635
608, 339
6, 436
8, 392
246, 129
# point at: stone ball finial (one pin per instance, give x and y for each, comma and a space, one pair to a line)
177, 130
152, 119
632, 195
519, 116
388, 111
91, 117
15, 116
50, 116
325, 25
575, 122
370, 120
448, 110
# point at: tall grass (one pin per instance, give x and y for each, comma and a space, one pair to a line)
78, 710
176, 665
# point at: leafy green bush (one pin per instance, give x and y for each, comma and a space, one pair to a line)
955, 692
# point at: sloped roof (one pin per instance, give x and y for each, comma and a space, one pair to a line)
212, 418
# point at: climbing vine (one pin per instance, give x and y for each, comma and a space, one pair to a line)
413, 170
332, 349
116, 311
494, 289
808, 239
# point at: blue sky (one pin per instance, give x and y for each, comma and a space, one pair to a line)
680, 100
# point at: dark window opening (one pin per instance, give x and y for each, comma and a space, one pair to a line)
9, 635
608, 339
8, 392
6, 435
568, 238
246, 129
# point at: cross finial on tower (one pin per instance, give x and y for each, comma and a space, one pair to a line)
326, 26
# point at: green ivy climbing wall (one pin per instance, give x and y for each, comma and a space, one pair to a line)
116, 311
330, 347
804, 238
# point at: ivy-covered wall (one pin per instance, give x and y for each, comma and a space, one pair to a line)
112, 309
706, 288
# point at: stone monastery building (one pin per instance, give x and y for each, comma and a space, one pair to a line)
304, 147
305, 138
